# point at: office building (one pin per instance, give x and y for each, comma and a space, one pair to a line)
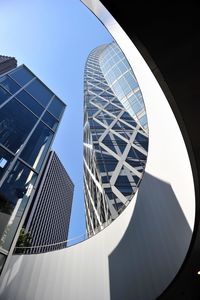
29, 117
7, 63
48, 219
115, 136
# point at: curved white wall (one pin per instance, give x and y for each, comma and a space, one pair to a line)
138, 255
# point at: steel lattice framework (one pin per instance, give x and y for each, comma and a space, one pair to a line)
115, 144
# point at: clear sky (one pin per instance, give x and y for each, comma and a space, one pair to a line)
54, 38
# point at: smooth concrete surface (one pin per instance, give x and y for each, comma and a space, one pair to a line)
153, 246
135, 257
78, 272
140, 253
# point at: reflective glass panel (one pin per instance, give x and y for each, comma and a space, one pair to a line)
22, 75
5, 159
2, 261
4, 95
143, 120
130, 80
37, 146
50, 120
16, 123
39, 92
141, 140
9, 84
14, 195
124, 185
56, 108
27, 100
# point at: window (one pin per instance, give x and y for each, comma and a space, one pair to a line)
122, 67
37, 146
116, 101
105, 179
143, 120
113, 109
126, 117
109, 193
108, 161
118, 90
109, 143
95, 126
124, 85
139, 157
2, 261
56, 108
21, 75
39, 92
4, 95
136, 107
27, 100
16, 122
141, 140
116, 71
9, 84
105, 118
14, 195
50, 120
129, 77
124, 185
5, 159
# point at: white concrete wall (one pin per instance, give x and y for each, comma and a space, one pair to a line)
138, 255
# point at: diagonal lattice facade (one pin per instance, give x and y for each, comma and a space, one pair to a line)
115, 143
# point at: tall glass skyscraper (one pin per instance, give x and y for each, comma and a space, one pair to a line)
29, 117
115, 135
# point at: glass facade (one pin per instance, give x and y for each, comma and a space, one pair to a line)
29, 116
14, 127
5, 160
122, 81
15, 193
115, 136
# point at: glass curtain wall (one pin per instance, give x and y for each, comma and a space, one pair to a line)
121, 79
29, 116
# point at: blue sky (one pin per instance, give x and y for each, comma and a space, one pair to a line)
54, 38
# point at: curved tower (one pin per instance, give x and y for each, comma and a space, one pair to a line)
115, 135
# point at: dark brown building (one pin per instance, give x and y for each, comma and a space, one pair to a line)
7, 63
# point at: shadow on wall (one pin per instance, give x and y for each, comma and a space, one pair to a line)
153, 247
